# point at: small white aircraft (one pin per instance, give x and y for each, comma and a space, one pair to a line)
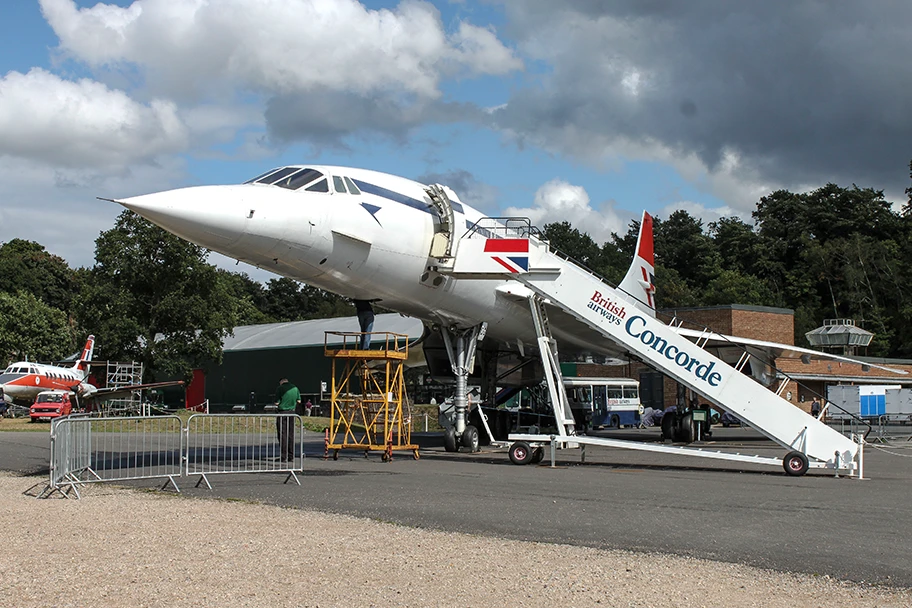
22, 381
377, 237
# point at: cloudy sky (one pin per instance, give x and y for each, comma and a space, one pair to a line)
589, 111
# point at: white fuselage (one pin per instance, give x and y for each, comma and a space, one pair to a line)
374, 245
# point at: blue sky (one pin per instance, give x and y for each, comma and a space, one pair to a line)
580, 112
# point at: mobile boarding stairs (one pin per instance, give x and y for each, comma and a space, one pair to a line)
520, 255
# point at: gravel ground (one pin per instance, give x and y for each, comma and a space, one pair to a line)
119, 547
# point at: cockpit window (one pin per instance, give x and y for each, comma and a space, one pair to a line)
261, 176
351, 186
303, 177
320, 186
274, 177
338, 184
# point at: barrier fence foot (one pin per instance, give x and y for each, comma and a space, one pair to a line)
173, 483
201, 480
291, 475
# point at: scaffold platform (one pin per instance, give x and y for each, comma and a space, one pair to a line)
369, 406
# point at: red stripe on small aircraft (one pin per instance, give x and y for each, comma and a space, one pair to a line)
507, 246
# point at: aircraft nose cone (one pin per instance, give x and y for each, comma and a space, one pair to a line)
211, 216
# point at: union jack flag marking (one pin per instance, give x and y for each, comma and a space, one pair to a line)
514, 253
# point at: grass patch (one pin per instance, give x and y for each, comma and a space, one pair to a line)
232, 425
23, 424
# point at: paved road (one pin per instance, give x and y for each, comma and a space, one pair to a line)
849, 529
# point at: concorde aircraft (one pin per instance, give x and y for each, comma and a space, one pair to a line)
373, 236
364, 235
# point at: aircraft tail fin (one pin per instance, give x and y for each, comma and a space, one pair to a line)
86, 356
639, 282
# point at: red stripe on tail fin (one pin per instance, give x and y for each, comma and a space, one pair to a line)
644, 246
86, 356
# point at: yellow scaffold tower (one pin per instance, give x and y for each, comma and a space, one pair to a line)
368, 394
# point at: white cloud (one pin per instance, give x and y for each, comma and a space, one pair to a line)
185, 47
83, 123
57, 207
560, 201
701, 86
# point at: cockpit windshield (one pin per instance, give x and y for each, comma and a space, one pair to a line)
291, 178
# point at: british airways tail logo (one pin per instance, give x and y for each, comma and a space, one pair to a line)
512, 254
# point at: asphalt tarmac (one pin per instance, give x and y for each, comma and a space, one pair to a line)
855, 530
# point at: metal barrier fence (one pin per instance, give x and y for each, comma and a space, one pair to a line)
241, 443
88, 450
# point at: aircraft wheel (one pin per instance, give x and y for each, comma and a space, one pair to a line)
685, 431
795, 464
538, 454
521, 453
449, 441
470, 438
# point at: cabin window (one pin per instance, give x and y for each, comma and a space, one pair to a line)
261, 176
615, 392
631, 392
320, 186
338, 184
303, 177
351, 186
281, 173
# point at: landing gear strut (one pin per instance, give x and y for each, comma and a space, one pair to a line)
460, 346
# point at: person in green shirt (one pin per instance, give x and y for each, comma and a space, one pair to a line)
287, 399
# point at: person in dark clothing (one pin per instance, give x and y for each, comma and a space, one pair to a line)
815, 408
365, 321
287, 399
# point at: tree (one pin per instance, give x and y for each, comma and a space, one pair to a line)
249, 298
736, 242
605, 260
682, 246
153, 298
27, 266
287, 300
734, 287
30, 328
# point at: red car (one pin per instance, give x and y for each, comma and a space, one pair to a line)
49, 405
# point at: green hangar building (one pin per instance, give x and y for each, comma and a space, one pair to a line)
256, 357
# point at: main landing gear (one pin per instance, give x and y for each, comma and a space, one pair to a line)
460, 346
469, 439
